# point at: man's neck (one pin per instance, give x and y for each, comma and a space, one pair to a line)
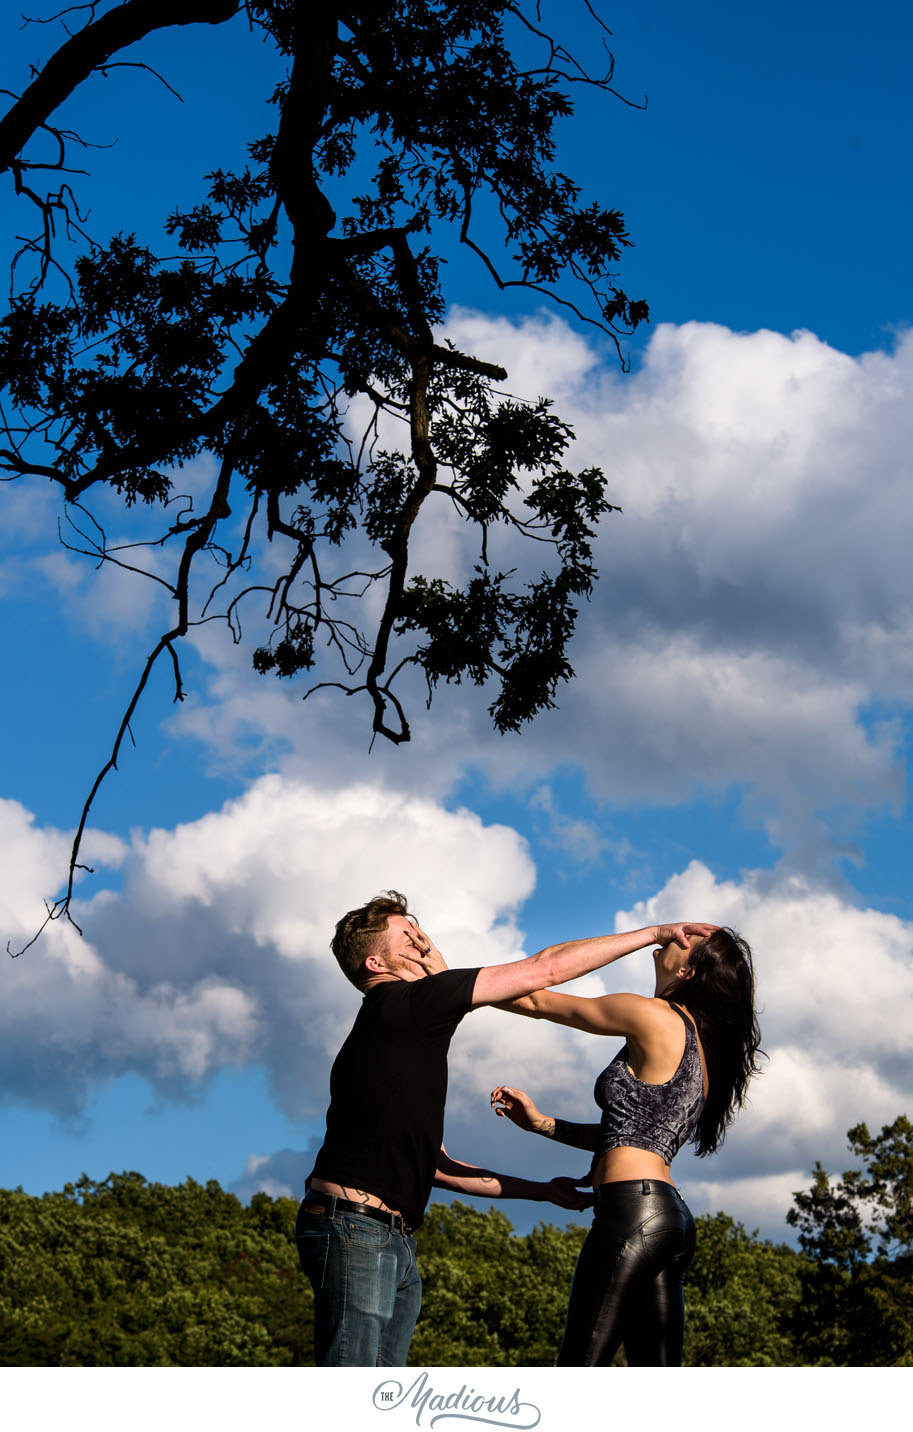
378, 980
401, 977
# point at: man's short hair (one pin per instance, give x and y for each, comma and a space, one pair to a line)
357, 932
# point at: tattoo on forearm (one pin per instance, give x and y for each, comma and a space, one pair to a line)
546, 1127
576, 1136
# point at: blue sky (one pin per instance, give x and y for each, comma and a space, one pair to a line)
735, 747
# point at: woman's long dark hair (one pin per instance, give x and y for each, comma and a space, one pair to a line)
719, 994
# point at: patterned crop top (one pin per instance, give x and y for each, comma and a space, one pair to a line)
656, 1117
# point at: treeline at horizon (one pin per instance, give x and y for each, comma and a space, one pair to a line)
128, 1273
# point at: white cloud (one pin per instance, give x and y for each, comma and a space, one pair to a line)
216, 952
284, 861
687, 717
29, 511
759, 1203
582, 839
754, 598
68, 1019
754, 602
753, 606
108, 603
281, 1175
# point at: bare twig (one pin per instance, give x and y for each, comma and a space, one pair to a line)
195, 542
139, 65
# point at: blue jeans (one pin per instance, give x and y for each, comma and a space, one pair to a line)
367, 1290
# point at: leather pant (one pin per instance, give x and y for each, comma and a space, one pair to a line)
628, 1281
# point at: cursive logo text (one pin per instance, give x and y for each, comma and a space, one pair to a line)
464, 1405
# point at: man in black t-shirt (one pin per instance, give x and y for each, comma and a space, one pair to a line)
383, 1152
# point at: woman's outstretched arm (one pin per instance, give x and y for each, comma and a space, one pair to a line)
516, 1105
622, 1014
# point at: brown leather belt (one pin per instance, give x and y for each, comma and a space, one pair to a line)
331, 1203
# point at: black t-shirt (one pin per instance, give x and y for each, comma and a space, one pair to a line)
387, 1090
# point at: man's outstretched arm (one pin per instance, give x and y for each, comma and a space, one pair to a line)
557, 963
459, 1177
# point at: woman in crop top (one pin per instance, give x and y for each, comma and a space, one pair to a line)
682, 1074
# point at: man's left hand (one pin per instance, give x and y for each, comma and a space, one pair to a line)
426, 953
565, 1193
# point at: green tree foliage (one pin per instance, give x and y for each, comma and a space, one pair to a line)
293, 339
857, 1232
741, 1298
129, 1273
134, 1274
491, 1298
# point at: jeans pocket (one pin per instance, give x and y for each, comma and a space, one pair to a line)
366, 1232
313, 1251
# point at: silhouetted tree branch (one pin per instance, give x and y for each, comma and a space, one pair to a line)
296, 339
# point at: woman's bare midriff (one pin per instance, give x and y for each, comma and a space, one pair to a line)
353, 1195
623, 1163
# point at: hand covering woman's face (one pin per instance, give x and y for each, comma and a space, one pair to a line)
671, 962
